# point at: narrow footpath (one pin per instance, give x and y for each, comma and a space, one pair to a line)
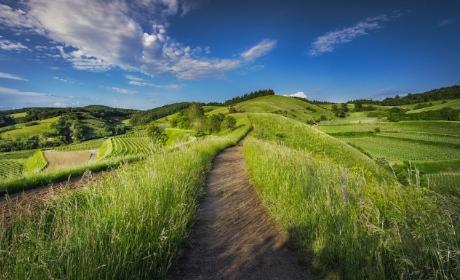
234, 237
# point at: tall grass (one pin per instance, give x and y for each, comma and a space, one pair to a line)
356, 225
302, 137
128, 226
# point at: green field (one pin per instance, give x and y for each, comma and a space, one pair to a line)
394, 149
131, 224
357, 197
86, 145
345, 223
454, 104
18, 115
10, 168
286, 106
449, 128
30, 129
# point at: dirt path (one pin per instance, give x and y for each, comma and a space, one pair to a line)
63, 159
234, 238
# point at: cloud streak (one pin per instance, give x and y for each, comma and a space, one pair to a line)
261, 49
9, 76
330, 41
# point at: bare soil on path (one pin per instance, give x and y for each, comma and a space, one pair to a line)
29, 201
64, 159
234, 237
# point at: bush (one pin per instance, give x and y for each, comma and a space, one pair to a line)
229, 123
157, 134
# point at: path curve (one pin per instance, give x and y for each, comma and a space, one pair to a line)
234, 238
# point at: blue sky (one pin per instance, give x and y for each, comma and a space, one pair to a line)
146, 53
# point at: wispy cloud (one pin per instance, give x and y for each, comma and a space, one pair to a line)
330, 41
9, 76
121, 90
13, 91
98, 35
136, 81
261, 49
446, 21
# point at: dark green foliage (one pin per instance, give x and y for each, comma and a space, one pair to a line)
452, 92
248, 96
6, 120
145, 117
41, 113
157, 135
340, 112
229, 123
232, 109
214, 122
194, 118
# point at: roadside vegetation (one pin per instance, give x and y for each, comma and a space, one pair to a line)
100, 232
338, 209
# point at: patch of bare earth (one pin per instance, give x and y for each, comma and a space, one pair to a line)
234, 237
63, 159
29, 202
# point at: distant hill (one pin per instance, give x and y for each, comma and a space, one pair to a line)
444, 93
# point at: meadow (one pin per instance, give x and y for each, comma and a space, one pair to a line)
353, 223
358, 197
100, 232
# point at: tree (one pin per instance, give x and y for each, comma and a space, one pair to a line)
214, 122
157, 134
232, 109
358, 107
229, 123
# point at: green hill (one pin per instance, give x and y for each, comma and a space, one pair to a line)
287, 106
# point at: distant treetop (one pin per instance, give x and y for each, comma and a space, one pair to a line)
251, 95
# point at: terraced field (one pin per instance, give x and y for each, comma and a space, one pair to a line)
10, 168
124, 146
394, 149
423, 137
449, 128
87, 145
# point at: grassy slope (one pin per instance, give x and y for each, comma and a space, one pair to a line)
129, 225
454, 104
24, 131
431, 127
367, 229
288, 106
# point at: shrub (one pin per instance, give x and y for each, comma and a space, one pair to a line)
157, 134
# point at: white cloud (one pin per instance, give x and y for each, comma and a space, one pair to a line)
136, 81
121, 90
9, 76
300, 94
13, 91
8, 45
261, 49
97, 35
329, 41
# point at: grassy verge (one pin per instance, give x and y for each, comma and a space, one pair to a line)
356, 225
127, 226
36, 162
